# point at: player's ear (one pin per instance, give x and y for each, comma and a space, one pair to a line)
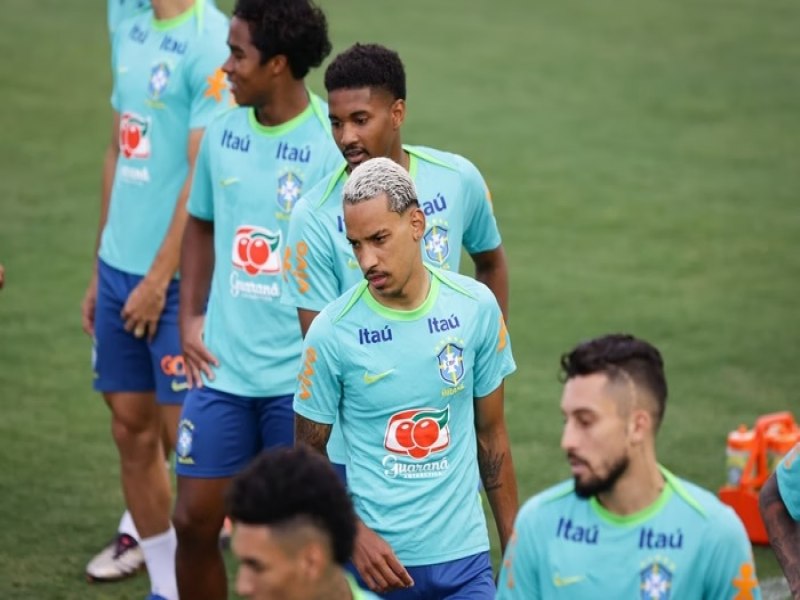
278, 64
640, 425
398, 111
417, 223
313, 561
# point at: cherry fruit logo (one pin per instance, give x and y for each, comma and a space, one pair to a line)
256, 250
418, 432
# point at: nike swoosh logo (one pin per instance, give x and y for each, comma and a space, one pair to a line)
370, 379
179, 387
559, 581
352, 263
122, 70
229, 181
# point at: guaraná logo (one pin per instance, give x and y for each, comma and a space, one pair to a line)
134, 136
418, 432
256, 250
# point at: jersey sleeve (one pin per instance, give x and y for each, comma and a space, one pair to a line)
311, 281
115, 99
208, 87
493, 359
788, 476
480, 226
519, 571
318, 390
201, 196
730, 571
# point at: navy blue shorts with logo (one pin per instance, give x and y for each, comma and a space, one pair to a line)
220, 433
468, 578
125, 363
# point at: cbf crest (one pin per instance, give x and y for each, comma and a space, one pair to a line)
437, 243
290, 187
185, 441
451, 363
159, 79
656, 581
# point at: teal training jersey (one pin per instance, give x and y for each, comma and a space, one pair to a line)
167, 81
119, 10
686, 546
404, 384
322, 266
247, 180
788, 475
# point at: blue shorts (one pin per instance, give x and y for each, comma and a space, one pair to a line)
125, 363
467, 578
220, 433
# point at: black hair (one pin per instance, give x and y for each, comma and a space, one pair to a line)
283, 485
367, 65
618, 354
297, 29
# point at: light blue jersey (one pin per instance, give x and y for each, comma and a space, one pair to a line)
686, 546
458, 214
788, 475
119, 10
167, 81
247, 180
403, 384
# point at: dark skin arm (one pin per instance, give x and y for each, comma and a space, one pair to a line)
197, 268
491, 269
312, 434
784, 533
306, 317
495, 464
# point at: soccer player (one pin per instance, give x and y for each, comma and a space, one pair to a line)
242, 356
366, 87
780, 508
294, 529
167, 87
412, 359
624, 527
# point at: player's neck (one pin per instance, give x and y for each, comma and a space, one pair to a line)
638, 488
169, 9
284, 104
412, 295
335, 588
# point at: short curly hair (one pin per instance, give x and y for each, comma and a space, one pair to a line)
283, 485
297, 29
367, 66
617, 355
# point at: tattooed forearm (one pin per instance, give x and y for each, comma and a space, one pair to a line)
312, 433
784, 533
490, 465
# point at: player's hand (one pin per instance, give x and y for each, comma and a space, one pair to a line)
377, 563
87, 306
143, 309
196, 355
2, 276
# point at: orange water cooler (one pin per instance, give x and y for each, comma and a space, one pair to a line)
751, 456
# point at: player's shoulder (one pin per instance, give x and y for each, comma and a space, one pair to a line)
134, 26
322, 194
542, 506
213, 22
706, 507
229, 118
337, 310
443, 159
463, 285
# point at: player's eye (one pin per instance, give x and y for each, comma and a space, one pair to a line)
361, 120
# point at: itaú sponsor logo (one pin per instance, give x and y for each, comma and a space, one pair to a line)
394, 468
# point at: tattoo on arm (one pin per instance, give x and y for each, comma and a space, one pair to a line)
490, 465
312, 433
784, 533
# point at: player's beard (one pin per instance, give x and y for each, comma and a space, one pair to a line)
597, 485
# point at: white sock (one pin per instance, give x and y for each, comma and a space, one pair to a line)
159, 555
126, 525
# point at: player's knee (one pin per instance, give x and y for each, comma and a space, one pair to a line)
195, 527
137, 439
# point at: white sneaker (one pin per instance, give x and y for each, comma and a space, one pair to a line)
120, 559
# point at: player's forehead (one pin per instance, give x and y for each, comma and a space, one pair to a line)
369, 217
588, 393
347, 101
239, 33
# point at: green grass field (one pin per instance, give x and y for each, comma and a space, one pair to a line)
643, 163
